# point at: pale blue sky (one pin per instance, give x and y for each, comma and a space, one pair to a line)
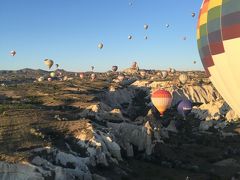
68, 31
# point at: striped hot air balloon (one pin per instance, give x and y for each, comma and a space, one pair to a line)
162, 100
218, 37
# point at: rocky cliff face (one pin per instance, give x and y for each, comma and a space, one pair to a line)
124, 124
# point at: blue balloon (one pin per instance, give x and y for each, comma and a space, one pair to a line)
184, 107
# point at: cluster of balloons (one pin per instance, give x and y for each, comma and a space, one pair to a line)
162, 101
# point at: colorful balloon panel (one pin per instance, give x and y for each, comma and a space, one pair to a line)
218, 38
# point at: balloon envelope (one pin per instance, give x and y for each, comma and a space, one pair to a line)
183, 78
48, 63
93, 76
218, 38
13, 53
143, 73
184, 107
121, 77
164, 74
114, 68
100, 45
81, 75
162, 100
52, 74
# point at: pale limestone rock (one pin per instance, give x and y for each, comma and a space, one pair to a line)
232, 116
205, 125
228, 163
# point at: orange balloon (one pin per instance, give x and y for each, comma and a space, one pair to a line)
162, 100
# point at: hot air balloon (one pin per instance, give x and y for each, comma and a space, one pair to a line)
184, 38
167, 25
183, 78
114, 68
145, 37
93, 76
184, 107
65, 78
194, 62
193, 14
143, 73
49, 63
81, 75
40, 79
52, 74
159, 74
134, 65
162, 100
100, 45
121, 77
57, 65
92, 67
129, 37
218, 37
164, 74
13, 53
145, 26
173, 70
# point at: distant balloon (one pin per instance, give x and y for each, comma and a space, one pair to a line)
143, 73
184, 107
134, 65
194, 62
114, 68
52, 74
184, 38
65, 78
162, 100
193, 14
145, 37
121, 77
173, 70
92, 67
129, 37
167, 25
40, 79
93, 76
81, 75
159, 74
130, 4
13, 53
183, 78
57, 65
49, 63
100, 45
145, 26
164, 74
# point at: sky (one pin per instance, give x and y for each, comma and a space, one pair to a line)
69, 31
